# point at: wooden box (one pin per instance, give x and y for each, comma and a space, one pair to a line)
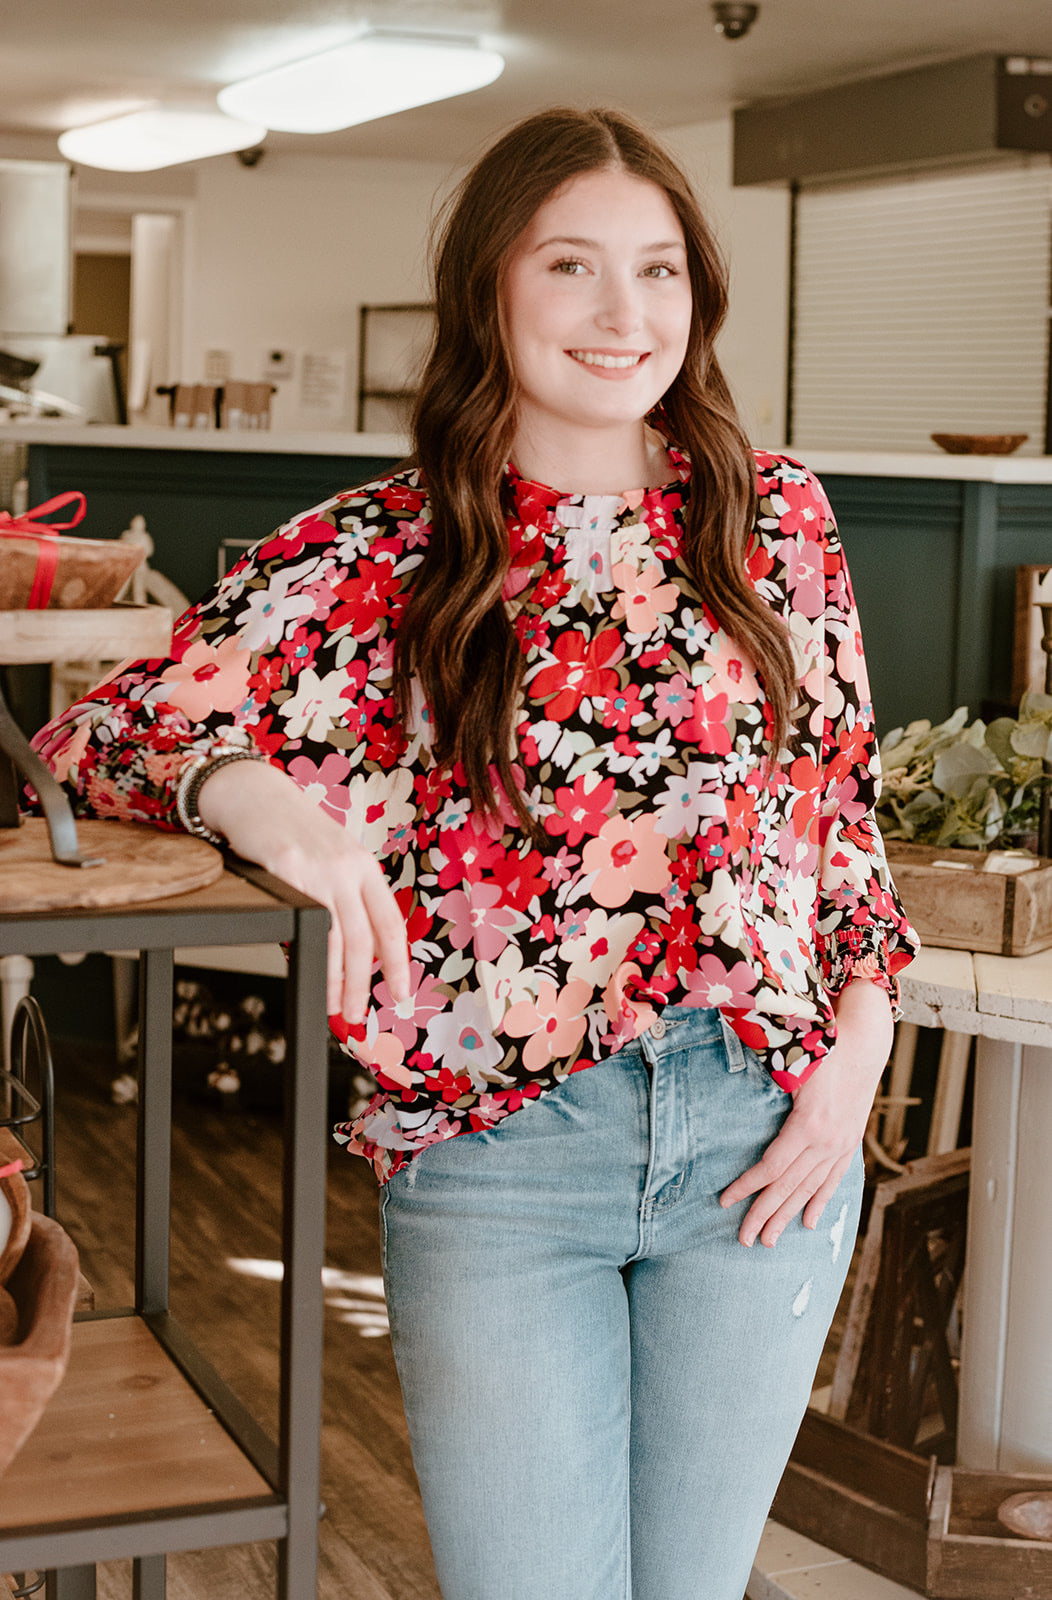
860, 1496
970, 1555
963, 905
932, 1529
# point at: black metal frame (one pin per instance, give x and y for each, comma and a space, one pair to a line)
17, 756
291, 1467
28, 1030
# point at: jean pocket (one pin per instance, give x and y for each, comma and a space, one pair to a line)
741, 1059
736, 1052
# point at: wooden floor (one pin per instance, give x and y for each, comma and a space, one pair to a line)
225, 1186
225, 1242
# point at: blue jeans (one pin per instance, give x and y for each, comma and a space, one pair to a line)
602, 1385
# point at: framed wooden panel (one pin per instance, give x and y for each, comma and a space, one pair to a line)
1033, 584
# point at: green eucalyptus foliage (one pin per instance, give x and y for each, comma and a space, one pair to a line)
962, 783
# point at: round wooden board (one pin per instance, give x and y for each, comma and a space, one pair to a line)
140, 863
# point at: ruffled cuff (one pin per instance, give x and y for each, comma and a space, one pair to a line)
862, 953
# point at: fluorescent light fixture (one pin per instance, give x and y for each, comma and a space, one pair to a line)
374, 75
146, 140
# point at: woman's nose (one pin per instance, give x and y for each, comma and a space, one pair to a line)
620, 309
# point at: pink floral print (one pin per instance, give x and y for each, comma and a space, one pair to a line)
684, 867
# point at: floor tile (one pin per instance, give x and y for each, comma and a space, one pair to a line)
844, 1581
782, 1550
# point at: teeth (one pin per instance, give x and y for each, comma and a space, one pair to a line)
592, 359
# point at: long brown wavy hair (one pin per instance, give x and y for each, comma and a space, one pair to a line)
456, 636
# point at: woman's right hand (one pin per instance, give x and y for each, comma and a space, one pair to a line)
267, 818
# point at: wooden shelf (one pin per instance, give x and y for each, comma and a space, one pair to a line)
125, 1436
107, 634
144, 1449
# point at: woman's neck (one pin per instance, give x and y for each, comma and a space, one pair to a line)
590, 461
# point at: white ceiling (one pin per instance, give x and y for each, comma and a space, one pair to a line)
661, 59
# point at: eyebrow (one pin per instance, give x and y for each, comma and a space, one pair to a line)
594, 244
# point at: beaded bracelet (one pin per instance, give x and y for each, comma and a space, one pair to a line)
194, 775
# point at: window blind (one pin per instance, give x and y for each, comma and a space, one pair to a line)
921, 304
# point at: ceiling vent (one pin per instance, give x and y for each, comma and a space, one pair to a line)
963, 110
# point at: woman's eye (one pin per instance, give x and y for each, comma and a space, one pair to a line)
568, 266
659, 269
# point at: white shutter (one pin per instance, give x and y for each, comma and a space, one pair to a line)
920, 306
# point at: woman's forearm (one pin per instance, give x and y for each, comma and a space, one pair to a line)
864, 1026
269, 819
259, 809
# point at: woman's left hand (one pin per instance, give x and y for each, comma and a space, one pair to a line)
803, 1164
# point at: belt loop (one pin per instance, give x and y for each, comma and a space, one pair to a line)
647, 1046
733, 1045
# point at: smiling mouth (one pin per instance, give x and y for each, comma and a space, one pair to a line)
596, 358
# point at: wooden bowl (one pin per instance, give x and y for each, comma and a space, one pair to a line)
979, 444
90, 573
44, 1286
1029, 1514
14, 1209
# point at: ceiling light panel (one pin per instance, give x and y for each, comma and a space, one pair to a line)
372, 76
147, 140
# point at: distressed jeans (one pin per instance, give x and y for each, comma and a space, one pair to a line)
602, 1385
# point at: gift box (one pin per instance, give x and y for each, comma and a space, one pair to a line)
40, 570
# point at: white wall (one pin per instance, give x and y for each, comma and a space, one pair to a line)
314, 237
753, 227
281, 255
284, 253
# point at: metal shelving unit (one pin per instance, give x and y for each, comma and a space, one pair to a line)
137, 1389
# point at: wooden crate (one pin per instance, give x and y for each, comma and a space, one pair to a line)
965, 907
860, 1496
933, 1529
970, 1555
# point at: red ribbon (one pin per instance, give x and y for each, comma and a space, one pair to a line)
47, 532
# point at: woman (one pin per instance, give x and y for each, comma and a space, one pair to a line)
568, 725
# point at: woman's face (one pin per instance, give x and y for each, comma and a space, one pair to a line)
597, 304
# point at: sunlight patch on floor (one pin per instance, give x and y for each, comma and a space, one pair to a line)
356, 1297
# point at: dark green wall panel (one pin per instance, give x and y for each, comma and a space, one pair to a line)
932, 559
902, 539
191, 500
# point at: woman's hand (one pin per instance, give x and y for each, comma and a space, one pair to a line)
803, 1164
267, 818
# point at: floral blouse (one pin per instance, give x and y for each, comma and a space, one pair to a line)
681, 869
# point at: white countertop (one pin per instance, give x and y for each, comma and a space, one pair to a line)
922, 464
261, 441
849, 463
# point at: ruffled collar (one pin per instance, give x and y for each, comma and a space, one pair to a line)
541, 518
535, 504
